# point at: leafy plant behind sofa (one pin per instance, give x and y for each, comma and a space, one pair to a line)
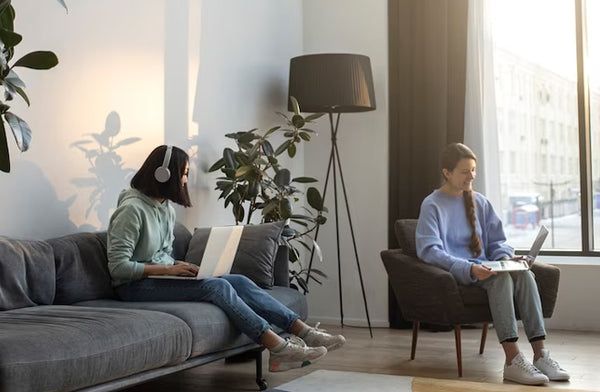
255, 181
13, 85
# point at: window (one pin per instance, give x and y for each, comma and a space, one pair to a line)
536, 79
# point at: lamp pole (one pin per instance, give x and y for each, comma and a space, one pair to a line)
332, 168
334, 83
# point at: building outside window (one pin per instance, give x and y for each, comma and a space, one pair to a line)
538, 123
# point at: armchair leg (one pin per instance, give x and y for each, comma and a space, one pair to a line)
484, 332
415, 334
457, 340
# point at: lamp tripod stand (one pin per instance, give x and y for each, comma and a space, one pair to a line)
334, 83
332, 168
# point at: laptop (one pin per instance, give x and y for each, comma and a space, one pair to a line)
524, 263
218, 256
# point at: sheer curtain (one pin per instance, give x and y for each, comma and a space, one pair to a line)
481, 131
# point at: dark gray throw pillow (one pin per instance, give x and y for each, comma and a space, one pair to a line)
255, 254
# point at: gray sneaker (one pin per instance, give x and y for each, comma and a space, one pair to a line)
550, 367
318, 337
522, 371
295, 354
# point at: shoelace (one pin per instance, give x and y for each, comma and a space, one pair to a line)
317, 330
552, 363
295, 340
528, 367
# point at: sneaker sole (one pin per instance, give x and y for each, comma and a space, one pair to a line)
523, 382
335, 346
283, 366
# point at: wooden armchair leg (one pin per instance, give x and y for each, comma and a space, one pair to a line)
415, 334
484, 332
457, 340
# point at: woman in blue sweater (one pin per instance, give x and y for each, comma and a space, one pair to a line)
457, 229
140, 241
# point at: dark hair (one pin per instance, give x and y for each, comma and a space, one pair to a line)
451, 155
173, 189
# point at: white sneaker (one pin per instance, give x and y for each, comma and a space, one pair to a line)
522, 371
294, 354
550, 367
318, 337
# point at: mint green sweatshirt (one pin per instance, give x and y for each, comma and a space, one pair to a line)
140, 232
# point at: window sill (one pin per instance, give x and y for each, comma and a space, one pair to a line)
589, 261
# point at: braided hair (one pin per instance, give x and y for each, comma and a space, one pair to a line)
451, 155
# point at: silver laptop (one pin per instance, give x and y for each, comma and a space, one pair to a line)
219, 254
527, 261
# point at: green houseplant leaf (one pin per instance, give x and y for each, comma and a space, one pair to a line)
40, 59
256, 181
20, 129
4, 157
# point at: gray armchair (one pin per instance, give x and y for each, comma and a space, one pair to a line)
429, 294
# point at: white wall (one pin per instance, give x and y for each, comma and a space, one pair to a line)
183, 72
333, 26
175, 71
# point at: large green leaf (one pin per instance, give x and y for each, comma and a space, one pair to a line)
217, 165
229, 157
283, 178
4, 157
267, 148
298, 121
291, 150
41, 59
9, 37
304, 180
313, 116
295, 105
313, 196
20, 129
7, 15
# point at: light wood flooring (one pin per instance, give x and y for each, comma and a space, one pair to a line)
388, 352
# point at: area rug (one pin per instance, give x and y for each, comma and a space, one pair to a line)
337, 381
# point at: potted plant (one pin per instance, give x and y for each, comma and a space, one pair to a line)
255, 181
13, 85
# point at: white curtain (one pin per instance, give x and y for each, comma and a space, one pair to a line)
481, 131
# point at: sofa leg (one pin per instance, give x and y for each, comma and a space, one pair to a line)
484, 332
415, 335
262, 383
457, 339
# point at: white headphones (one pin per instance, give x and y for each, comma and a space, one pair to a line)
162, 173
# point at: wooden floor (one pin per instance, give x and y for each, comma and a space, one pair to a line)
388, 352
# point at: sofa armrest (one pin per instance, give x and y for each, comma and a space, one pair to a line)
424, 292
547, 277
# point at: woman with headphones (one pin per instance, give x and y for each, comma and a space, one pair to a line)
140, 241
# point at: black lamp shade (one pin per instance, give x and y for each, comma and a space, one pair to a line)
332, 82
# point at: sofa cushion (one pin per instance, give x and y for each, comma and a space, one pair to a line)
63, 348
81, 268
211, 329
27, 274
255, 254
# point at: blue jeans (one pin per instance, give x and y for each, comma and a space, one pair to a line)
508, 289
248, 306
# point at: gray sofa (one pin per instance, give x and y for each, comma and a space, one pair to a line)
63, 329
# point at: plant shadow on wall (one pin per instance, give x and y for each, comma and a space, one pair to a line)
12, 83
255, 181
109, 176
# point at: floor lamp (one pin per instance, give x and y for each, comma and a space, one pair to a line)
334, 83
